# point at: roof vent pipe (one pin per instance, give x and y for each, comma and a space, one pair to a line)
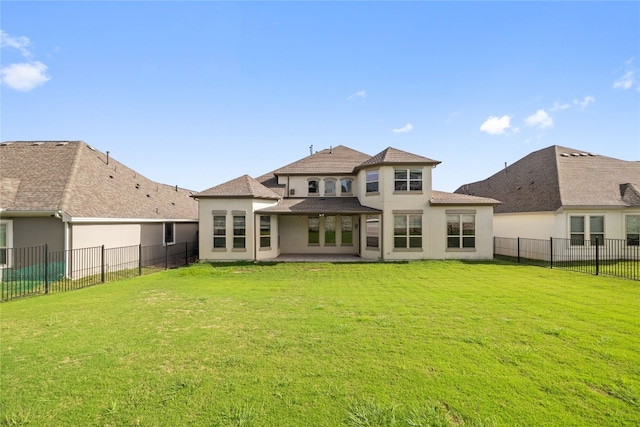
331, 149
311, 149
107, 157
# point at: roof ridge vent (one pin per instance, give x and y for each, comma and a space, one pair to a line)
564, 154
575, 154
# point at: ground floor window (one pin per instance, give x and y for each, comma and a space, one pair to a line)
329, 230
373, 231
407, 231
239, 231
219, 231
632, 226
5, 242
314, 230
346, 234
265, 231
169, 233
578, 232
461, 231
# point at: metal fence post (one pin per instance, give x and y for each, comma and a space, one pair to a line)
550, 252
46, 268
102, 265
166, 257
597, 256
140, 259
518, 250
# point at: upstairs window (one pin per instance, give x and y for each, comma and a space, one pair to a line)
314, 187
330, 187
346, 185
632, 225
372, 181
408, 180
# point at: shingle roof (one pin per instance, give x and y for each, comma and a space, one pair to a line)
555, 177
337, 160
316, 205
397, 157
73, 177
244, 186
452, 199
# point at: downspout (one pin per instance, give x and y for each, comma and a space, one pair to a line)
256, 236
382, 239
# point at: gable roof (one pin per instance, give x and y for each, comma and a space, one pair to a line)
71, 176
396, 157
244, 186
332, 161
556, 177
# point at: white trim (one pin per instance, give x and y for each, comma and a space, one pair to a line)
9, 242
128, 220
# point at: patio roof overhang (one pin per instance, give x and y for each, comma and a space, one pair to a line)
319, 205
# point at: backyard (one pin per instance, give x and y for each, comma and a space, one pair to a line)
429, 343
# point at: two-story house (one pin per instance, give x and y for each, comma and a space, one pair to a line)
342, 201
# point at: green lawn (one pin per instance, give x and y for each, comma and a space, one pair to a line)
434, 343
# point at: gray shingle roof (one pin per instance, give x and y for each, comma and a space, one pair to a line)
454, 199
73, 177
396, 157
316, 205
244, 186
335, 161
555, 177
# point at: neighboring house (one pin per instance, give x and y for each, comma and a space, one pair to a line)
342, 201
562, 192
68, 195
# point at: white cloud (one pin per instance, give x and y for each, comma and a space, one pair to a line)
585, 102
358, 94
557, 106
21, 43
628, 78
24, 76
540, 118
404, 129
496, 125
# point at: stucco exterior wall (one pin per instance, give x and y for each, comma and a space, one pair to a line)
109, 235
227, 207
438, 233
539, 225
28, 232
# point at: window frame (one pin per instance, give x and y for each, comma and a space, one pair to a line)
404, 229
316, 231
220, 232
371, 182
579, 237
330, 182
460, 236
370, 220
406, 185
346, 230
317, 187
330, 230
635, 241
265, 225
239, 233
346, 193
172, 234
5, 249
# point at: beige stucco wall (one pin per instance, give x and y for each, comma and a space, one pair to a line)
249, 206
540, 225
557, 224
438, 233
109, 235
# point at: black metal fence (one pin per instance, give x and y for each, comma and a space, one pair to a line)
614, 257
35, 270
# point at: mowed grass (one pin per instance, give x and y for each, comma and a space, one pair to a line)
433, 343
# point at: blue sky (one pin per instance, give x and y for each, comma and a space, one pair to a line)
198, 93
